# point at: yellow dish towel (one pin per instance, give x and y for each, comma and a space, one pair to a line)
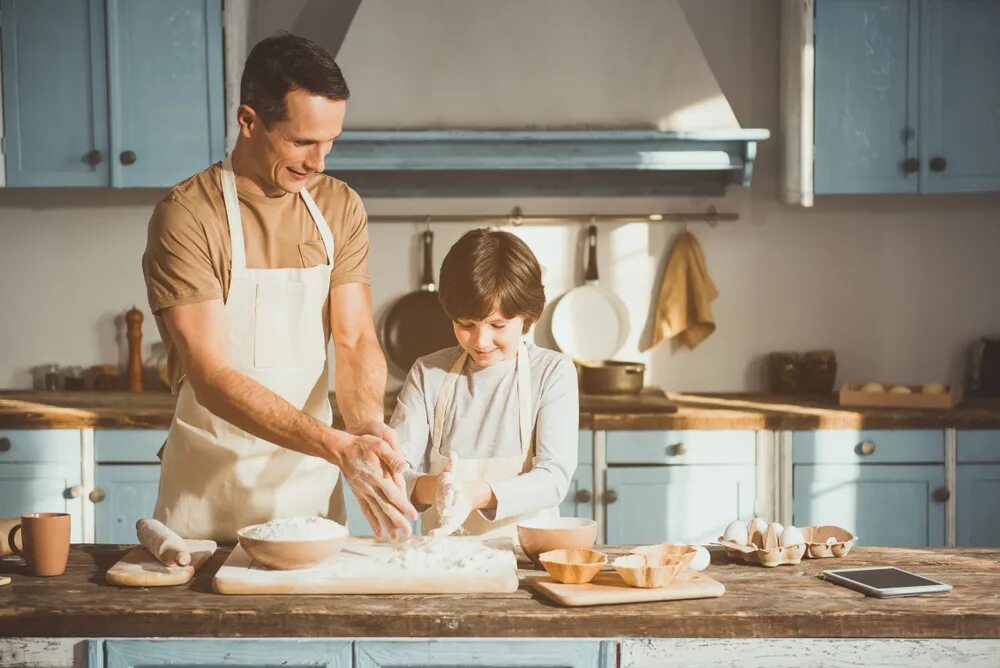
684, 304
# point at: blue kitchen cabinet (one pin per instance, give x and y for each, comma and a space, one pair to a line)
977, 504
40, 472
123, 494
905, 96
885, 486
579, 500
486, 653
206, 652
103, 92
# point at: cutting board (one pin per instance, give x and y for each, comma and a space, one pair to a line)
364, 566
608, 588
650, 400
139, 568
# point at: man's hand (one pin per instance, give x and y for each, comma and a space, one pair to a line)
372, 468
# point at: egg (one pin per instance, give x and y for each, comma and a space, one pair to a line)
791, 536
756, 524
736, 532
701, 559
900, 389
778, 529
933, 388
872, 387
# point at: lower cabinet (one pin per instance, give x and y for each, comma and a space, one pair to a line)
488, 653
198, 652
124, 494
978, 489
579, 501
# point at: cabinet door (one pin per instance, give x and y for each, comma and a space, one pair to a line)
165, 82
682, 504
127, 493
485, 653
865, 96
961, 96
50, 487
579, 501
978, 505
244, 652
54, 93
885, 505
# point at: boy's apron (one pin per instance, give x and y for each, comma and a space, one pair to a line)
216, 478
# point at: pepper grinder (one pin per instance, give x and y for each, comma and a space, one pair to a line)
133, 321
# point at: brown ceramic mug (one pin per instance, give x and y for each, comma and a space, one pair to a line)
45, 542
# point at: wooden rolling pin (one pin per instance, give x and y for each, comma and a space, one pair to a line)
162, 543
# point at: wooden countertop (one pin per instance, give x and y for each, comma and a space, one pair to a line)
788, 601
153, 410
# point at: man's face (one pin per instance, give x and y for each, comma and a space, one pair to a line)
292, 149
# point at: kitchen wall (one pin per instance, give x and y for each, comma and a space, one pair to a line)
897, 286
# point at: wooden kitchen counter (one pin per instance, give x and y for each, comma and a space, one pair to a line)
788, 602
154, 410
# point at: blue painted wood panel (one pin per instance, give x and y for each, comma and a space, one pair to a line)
129, 494
686, 504
486, 653
579, 501
978, 445
978, 505
128, 445
865, 96
42, 488
165, 85
960, 97
248, 652
843, 446
54, 92
39, 445
682, 447
882, 505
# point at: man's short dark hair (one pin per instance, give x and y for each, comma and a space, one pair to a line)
285, 62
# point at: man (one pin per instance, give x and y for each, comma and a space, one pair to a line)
250, 266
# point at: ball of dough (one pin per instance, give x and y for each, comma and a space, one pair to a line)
900, 389
872, 387
934, 388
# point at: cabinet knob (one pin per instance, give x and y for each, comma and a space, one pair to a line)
938, 164
679, 449
97, 495
75, 492
911, 165
942, 494
5, 444
610, 496
583, 496
866, 447
94, 157
127, 157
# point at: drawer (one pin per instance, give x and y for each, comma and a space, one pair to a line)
868, 446
128, 445
682, 447
39, 445
979, 446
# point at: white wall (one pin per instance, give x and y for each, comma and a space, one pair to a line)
897, 286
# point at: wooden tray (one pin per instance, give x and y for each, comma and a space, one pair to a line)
139, 568
608, 588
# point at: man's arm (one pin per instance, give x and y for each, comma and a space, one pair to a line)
201, 335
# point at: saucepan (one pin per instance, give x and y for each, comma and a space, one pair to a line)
610, 376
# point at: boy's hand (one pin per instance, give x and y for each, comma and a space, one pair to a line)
453, 502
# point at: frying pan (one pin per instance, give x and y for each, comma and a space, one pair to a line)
416, 325
589, 322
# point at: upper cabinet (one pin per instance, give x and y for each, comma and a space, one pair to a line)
889, 96
109, 92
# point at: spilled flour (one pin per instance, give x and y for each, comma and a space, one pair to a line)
297, 528
429, 554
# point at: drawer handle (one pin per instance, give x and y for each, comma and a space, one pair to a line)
75, 492
5, 444
938, 164
128, 157
583, 496
679, 449
610, 496
94, 157
866, 447
97, 495
942, 494
911, 165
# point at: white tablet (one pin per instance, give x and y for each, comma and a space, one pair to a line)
884, 581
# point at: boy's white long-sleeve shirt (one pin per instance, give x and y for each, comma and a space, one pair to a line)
482, 421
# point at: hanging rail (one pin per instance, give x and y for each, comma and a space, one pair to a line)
516, 218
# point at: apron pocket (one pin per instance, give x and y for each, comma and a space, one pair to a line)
288, 331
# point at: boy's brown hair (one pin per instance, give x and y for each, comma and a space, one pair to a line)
488, 269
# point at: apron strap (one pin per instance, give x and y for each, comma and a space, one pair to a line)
324, 229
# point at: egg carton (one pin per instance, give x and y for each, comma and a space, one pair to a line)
827, 541
769, 557
764, 544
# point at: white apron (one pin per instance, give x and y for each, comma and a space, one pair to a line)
216, 478
488, 469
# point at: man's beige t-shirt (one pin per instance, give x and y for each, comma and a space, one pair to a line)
188, 258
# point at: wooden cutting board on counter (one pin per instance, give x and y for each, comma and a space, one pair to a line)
366, 566
650, 400
139, 568
608, 588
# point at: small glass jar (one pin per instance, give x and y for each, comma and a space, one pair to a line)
73, 380
50, 377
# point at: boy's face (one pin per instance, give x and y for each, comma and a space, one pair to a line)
491, 340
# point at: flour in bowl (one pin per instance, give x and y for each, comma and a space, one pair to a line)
296, 528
